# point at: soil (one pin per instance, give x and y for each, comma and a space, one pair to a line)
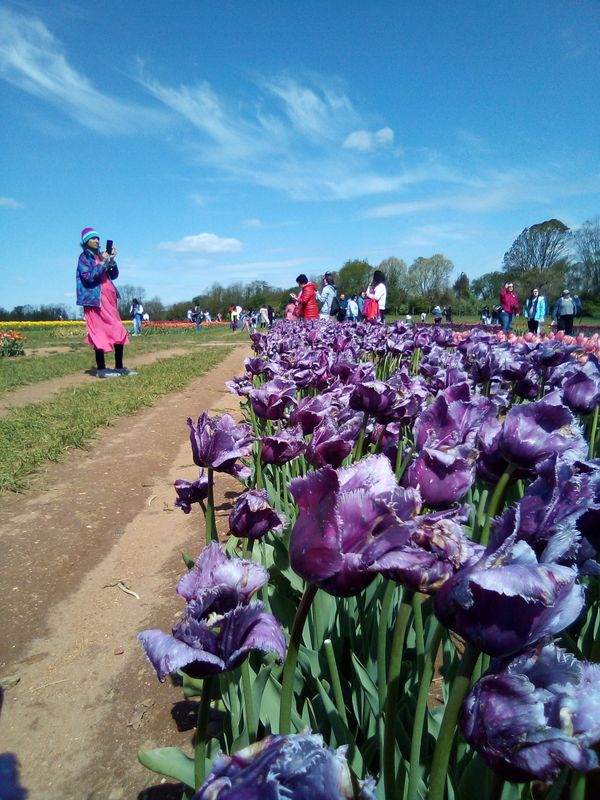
80, 699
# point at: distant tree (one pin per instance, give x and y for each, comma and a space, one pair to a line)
154, 308
354, 275
127, 294
586, 242
428, 278
487, 287
537, 249
396, 279
462, 287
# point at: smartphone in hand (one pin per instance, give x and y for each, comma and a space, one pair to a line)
109, 247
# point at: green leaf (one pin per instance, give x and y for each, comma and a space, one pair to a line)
169, 761
188, 560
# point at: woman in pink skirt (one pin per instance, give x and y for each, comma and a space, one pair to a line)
98, 296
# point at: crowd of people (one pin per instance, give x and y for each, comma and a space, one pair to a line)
563, 312
369, 304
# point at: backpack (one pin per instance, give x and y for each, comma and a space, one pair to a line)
335, 307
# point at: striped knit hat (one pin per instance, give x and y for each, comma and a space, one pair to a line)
87, 234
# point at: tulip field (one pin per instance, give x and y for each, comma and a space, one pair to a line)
407, 603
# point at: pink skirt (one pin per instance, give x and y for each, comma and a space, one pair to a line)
104, 326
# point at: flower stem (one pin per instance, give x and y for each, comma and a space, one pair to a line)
211, 524
248, 702
495, 503
443, 746
358, 450
291, 659
386, 603
420, 712
577, 790
393, 692
201, 726
593, 431
258, 471
335, 681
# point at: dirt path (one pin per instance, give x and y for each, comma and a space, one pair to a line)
43, 390
86, 699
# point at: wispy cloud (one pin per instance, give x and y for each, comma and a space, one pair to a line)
367, 142
253, 222
203, 243
10, 202
32, 59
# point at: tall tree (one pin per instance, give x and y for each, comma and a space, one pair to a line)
396, 279
127, 294
354, 275
429, 278
537, 249
587, 248
487, 287
462, 287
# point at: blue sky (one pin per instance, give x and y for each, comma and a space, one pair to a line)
235, 140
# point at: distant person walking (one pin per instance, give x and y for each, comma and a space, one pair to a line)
137, 314
306, 300
437, 315
97, 294
510, 305
564, 312
534, 310
378, 291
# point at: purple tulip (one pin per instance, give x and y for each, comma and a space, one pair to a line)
428, 550
252, 516
190, 493
442, 475
293, 767
329, 445
343, 521
283, 446
581, 391
453, 418
217, 443
535, 715
272, 399
508, 600
219, 627
534, 431
374, 397
311, 411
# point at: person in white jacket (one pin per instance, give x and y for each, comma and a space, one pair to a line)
326, 295
378, 291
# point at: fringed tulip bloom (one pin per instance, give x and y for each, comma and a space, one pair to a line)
532, 432
374, 397
293, 767
581, 392
219, 628
535, 715
508, 600
283, 446
310, 412
442, 475
272, 399
343, 521
252, 516
218, 442
330, 444
190, 493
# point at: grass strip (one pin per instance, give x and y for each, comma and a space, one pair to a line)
19, 371
40, 432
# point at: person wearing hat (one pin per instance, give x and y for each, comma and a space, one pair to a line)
97, 294
563, 312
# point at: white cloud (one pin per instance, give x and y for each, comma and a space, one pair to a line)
10, 202
32, 59
203, 243
253, 222
366, 141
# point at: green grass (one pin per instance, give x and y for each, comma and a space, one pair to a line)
40, 432
19, 371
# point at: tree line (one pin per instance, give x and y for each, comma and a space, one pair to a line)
547, 255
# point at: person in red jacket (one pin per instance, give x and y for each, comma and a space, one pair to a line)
306, 301
510, 305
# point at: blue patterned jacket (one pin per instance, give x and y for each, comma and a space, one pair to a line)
89, 278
